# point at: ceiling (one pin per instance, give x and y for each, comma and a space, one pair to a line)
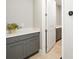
58, 2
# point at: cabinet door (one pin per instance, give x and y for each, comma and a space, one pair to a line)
15, 51
36, 43
31, 46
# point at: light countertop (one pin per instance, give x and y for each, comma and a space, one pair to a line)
58, 26
23, 31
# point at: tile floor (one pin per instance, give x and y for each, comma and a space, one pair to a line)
55, 53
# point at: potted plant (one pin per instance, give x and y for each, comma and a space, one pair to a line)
12, 27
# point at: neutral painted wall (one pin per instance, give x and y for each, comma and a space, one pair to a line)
37, 13
58, 15
43, 27
20, 11
38, 19
67, 30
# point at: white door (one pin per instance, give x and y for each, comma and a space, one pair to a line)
67, 30
51, 23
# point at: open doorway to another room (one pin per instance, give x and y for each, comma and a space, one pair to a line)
58, 28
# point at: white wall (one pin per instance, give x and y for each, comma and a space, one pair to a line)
38, 18
58, 15
39, 21
43, 27
20, 11
37, 13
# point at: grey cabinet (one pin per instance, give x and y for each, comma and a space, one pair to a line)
23, 46
58, 34
15, 51
31, 46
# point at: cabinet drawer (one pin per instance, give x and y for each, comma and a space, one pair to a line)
18, 38
36, 34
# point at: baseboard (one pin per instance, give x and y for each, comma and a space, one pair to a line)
31, 55
42, 52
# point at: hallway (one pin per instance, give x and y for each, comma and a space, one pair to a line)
55, 53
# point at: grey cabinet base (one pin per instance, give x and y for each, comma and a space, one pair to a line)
31, 55
58, 34
24, 46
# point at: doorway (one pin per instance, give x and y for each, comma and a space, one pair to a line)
54, 27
